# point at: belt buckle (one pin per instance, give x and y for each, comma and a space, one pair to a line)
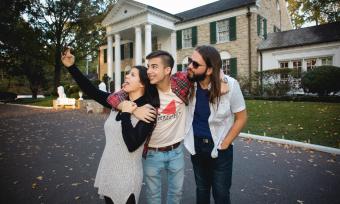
205, 140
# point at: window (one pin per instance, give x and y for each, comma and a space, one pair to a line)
187, 38
261, 27
226, 66
284, 65
127, 51
310, 64
105, 55
222, 30
297, 64
154, 44
327, 61
185, 64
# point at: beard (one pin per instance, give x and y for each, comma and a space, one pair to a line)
197, 77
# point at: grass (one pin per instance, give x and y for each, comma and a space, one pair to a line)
314, 122
46, 102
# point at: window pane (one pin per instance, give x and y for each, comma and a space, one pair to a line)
226, 66
186, 34
311, 64
284, 64
222, 31
327, 61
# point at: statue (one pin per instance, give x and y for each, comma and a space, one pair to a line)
61, 92
62, 100
102, 86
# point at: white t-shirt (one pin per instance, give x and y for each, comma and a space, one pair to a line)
170, 121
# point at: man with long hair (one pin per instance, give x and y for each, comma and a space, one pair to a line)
214, 120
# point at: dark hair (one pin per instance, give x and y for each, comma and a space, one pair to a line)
166, 57
151, 92
212, 58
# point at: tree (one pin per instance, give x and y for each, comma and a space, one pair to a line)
313, 11
10, 17
21, 47
68, 23
322, 80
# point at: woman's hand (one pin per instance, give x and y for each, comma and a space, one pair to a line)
67, 58
128, 106
146, 113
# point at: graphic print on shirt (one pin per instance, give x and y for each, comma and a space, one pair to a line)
169, 112
170, 125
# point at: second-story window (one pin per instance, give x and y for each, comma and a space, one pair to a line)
261, 27
187, 38
222, 30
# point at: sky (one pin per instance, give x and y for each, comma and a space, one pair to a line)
175, 6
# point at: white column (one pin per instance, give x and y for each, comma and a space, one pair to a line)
173, 47
138, 46
117, 62
109, 57
148, 45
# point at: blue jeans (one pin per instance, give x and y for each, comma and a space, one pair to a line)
173, 164
212, 173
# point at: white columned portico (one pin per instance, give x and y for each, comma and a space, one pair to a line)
109, 57
138, 45
173, 47
117, 62
148, 44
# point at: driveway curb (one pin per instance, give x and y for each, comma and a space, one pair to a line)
320, 148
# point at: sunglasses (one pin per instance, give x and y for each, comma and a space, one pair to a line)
195, 64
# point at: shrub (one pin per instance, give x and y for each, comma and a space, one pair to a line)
322, 80
278, 81
7, 96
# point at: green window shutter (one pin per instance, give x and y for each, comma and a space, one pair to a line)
179, 39
265, 28
105, 55
121, 52
179, 67
232, 23
131, 49
194, 36
258, 25
233, 67
213, 33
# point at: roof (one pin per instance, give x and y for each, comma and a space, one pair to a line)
213, 8
303, 36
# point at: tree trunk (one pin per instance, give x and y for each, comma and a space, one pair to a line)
57, 68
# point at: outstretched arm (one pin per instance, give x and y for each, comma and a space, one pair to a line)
85, 85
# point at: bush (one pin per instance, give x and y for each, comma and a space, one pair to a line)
7, 96
322, 80
277, 82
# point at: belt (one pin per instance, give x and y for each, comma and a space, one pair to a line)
165, 149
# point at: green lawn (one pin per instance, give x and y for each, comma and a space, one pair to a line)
47, 102
316, 122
